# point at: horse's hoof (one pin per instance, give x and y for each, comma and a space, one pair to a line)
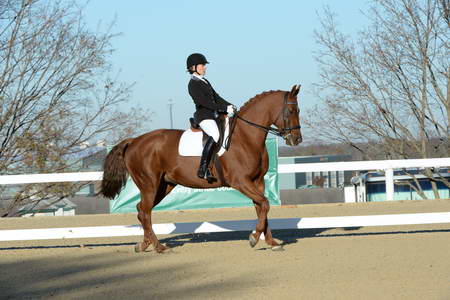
163, 249
277, 248
252, 240
138, 247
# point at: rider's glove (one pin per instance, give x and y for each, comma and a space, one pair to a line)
230, 110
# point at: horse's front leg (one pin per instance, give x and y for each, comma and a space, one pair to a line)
256, 193
267, 232
263, 227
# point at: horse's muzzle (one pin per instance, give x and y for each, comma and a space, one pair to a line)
292, 140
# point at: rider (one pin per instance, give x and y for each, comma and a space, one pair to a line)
208, 105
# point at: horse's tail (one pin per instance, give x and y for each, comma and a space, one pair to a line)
115, 172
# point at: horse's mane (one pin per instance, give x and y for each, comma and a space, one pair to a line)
257, 97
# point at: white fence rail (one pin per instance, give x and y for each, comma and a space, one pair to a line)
54, 177
225, 226
387, 166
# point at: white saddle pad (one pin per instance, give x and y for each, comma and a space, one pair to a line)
191, 143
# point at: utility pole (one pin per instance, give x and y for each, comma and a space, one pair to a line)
170, 112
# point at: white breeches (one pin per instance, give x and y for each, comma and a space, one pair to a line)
210, 128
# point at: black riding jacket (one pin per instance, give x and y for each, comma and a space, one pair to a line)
207, 102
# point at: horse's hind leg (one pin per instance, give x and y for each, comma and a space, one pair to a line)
144, 208
148, 201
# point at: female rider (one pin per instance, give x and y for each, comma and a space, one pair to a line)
208, 105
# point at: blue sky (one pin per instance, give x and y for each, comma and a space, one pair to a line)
253, 46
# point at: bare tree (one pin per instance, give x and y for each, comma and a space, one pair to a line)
390, 88
56, 93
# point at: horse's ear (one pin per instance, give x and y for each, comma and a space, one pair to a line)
295, 90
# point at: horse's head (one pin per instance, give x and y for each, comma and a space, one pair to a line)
288, 121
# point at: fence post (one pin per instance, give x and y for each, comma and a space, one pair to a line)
389, 181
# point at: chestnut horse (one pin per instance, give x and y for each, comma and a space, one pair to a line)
155, 166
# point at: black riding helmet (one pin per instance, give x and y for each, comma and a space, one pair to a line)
196, 59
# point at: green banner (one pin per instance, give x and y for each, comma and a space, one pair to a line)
186, 198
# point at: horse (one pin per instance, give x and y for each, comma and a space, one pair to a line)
154, 164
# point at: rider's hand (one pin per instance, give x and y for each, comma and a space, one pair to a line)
230, 110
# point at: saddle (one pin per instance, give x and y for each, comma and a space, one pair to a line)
192, 140
221, 124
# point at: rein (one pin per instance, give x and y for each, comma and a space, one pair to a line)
270, 129
274, 130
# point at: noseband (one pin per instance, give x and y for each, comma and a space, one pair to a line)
284, 132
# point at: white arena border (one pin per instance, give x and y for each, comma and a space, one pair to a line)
225, 226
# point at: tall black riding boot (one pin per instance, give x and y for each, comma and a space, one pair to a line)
208, 151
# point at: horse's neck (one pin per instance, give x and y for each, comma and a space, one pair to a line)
258, 113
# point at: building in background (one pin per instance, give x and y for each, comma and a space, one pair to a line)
84, 201
87, 199
334, 179
50, 207
313, 187
371, 186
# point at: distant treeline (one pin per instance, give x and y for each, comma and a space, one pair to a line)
358, 151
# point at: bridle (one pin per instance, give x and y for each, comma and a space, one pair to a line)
284, 132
